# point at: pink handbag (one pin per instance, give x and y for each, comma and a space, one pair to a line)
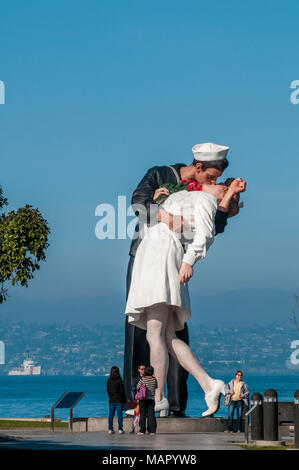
141, 393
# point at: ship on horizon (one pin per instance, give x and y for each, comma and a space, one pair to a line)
28, 367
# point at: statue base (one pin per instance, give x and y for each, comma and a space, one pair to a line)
164, 425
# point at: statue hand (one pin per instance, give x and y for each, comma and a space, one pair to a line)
237, 186
186, 272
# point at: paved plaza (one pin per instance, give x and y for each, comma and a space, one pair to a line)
65, 440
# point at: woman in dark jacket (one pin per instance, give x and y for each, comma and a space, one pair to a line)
117, 397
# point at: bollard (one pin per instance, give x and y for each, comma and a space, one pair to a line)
257, 417
296, 418
270, 415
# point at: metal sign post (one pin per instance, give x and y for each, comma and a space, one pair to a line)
67, 400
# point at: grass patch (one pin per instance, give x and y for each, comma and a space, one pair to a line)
8, 424
248, 447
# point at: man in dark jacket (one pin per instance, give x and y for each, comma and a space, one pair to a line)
141, 369
146, 193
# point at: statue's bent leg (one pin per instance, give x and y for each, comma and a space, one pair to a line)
185, 356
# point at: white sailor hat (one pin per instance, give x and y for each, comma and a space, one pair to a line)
209, 152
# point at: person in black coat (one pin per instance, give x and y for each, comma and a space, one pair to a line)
148, 190
117, 398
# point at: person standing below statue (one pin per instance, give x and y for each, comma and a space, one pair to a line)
136, 380
147, 404
117, 398
141, 369
239, 397
205, 169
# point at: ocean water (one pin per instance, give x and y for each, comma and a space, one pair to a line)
33, 396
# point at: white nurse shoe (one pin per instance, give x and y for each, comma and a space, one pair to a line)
213, 397
162, 405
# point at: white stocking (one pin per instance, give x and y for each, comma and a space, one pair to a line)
157, 316
183, 354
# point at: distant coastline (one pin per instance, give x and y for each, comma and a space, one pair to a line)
91, 351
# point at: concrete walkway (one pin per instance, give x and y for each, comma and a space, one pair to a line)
65, 440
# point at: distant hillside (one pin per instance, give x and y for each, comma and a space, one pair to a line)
82, 350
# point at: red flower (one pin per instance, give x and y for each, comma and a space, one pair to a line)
193, 186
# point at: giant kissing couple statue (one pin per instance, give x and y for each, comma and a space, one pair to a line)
189, 209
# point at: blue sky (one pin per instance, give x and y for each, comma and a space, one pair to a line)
99, 91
